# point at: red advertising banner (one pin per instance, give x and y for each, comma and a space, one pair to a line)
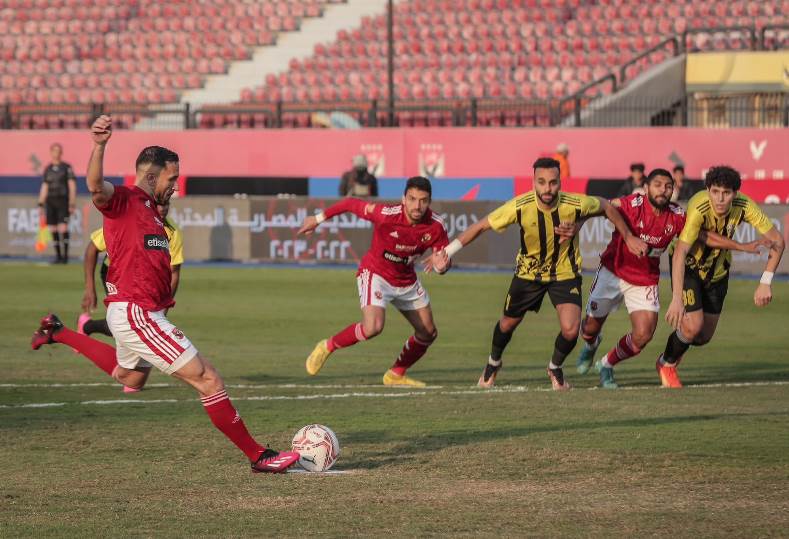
760, 154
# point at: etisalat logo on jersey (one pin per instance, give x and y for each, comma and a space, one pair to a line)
156, 242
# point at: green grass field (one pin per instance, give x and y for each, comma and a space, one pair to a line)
710, 460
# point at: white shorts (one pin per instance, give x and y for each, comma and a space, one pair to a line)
146, 338
608, 290
374, 290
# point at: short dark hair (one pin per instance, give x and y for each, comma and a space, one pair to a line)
156, 155
546, 162
637, 166
419, 182
723, 176
659, 172
679, 168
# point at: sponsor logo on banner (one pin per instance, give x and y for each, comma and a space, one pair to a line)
156, 243
376, 160
432, 160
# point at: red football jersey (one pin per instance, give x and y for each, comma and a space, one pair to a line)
656, 230
138, 247
396, 242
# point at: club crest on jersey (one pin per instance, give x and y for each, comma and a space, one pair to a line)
426, 238
669, 229
394, 234
637, 201
147, 203
178, 333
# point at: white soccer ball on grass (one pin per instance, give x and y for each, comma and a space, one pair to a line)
317, 446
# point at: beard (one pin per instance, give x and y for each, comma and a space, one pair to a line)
661, 203
548, 198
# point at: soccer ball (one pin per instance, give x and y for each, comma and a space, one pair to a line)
317, 446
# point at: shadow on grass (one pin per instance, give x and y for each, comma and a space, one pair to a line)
436, 441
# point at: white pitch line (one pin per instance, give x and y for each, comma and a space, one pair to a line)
397, 394
230, 386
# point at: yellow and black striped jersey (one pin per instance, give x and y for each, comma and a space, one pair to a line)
713, 264
174, 236
541, 256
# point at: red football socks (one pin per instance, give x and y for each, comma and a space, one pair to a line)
412, 351
225, 418
103, 355
347, 337
624, 349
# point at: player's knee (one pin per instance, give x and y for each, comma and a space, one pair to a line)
641, 339
373, 329
570, 333
508, 325
427, 335
211, 381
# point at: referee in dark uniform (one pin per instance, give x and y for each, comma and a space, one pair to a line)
58, 197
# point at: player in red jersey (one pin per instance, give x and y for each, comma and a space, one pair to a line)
386, 275
138, 292
624, 276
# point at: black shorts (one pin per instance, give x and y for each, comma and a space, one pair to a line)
696, 296
526, 295
57, 212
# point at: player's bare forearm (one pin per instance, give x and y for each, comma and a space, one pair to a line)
100, 190
678, 269
89, 268
175, 279
473, 232
776, 250
100, 132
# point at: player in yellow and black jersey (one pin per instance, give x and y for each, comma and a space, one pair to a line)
700, 274
548, 262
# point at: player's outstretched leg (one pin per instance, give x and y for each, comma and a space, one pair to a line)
499, 342
562, 347
372, 324
201, 375
320, 354
87, 326
52, 330
425, 333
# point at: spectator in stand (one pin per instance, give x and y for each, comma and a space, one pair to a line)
358, 182
58, 198
682, 191
562, 154
635, 183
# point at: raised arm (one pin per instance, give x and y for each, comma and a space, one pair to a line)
360, 208
101, 191
89, 267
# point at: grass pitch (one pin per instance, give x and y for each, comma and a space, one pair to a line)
709, 460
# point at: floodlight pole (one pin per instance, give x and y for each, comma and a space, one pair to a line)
390, 59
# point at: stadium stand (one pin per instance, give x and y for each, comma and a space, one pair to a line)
135, 55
